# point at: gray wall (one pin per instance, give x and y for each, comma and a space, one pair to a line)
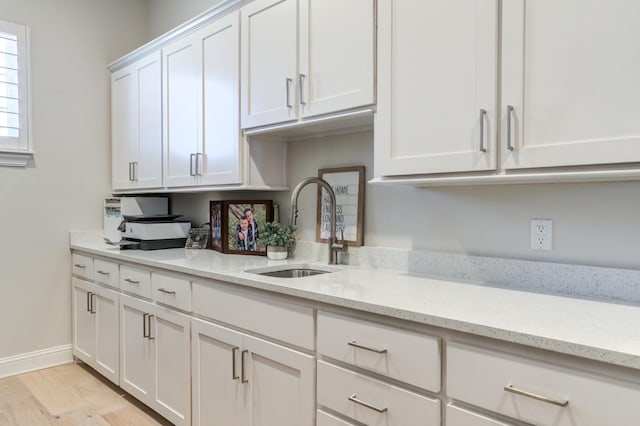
72, 41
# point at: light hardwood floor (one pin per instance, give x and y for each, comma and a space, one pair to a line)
70, 395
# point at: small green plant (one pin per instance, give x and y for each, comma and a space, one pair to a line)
276, 234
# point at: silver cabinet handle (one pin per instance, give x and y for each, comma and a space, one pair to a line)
301, 78
129, 280
77, 265
483, 116
93, 305
103, 272
135, 171
234, 354
88, 301
512, 389
354, 398
191, 172
367, 348
199, 157
288, 82
165, 291
130, 171
510, 110
243, 367
146, 326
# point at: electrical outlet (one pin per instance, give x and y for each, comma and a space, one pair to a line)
541, 234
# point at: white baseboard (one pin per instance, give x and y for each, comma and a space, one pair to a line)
36, 360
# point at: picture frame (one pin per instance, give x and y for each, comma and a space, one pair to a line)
215, 224
348, 184
239, 235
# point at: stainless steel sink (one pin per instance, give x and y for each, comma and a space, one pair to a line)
293, 273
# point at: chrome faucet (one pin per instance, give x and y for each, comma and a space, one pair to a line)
333, 245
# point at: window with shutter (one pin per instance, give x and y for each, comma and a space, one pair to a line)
15, 145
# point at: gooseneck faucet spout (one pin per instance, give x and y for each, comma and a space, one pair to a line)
332, 207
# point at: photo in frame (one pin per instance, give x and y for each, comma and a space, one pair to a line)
241, 224
215, 224
348, 185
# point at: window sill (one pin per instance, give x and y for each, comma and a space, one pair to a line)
15, 158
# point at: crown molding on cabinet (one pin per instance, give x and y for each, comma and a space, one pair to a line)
181, 30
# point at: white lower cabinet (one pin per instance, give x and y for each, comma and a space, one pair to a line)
371, 401
538, 392
154, 347
95, 327
240, 380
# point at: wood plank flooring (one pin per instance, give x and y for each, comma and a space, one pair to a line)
70, 395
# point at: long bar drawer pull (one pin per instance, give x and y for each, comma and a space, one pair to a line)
510, 388
165, 291
102, 272
77, 265
366, 348
354, 398
129, 280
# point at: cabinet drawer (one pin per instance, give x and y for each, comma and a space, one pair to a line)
107, 273
82, 266
324, 419
401, 354
457, 416
265, 315
481, 376
362, 398
136, 281
172, 291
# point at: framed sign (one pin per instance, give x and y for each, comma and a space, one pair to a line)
241, 224
348, 185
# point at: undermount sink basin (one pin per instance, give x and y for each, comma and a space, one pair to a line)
293, 273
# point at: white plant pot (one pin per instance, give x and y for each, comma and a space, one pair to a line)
277, 252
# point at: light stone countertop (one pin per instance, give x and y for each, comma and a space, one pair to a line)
597, 330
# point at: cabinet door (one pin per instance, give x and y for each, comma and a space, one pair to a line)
124, 126
218, 394
281, 383
137, 351
148, 170
220, 154
171, 334
269, 62
107, 359
570, 74
84, 326
182, 110
437, 72
136, 114
336, 55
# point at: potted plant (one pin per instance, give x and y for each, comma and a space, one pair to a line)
279, 239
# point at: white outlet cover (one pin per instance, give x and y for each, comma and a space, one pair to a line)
541, 234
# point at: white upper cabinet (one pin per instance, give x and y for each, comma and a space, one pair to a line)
269, 62
202, 125
570, 83
220, 159
136, 117
568, 91
182, 111
337, 43
304, 58
437, 93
